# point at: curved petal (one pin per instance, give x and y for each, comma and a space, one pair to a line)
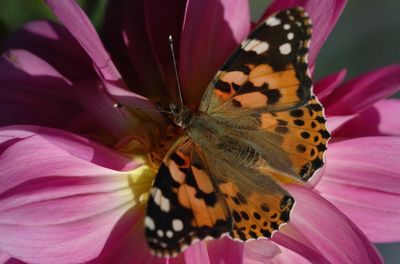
319, 224
131, 47
197, 253
336, 122
127, 244
79, 25
162, 19
362, 92
225, 250
276, 254
211, 31
362, 179
259, 251
55, 45
323, 14
300, 247
115, 38
64, 144
328, 84
4, 258
57, 201
379, 120
33, 92
120, 121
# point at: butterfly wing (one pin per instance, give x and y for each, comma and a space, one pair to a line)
258, 214
184, 203
268, 71
265, 89
258, 205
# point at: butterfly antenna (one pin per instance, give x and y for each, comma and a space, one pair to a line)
171, 45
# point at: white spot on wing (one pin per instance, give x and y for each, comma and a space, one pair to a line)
149, 223
261, 48
165, 205
169, 233
177, 225
160, 233
285, 48
273, 21
161, 200
286, 26
255, 45
290, 36
163, 244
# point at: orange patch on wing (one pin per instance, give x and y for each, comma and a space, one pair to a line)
264, 74
267, 120
289, 95
260, 70
236, 77
176, 173
252, 100
223, 95
203, 180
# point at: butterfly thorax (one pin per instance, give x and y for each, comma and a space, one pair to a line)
182, 116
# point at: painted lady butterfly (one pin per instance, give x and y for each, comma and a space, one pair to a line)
259, 126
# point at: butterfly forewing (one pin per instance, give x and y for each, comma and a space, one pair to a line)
269, 69
265, 89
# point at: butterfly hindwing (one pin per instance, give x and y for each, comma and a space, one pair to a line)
269, 70
256, 215
258, 205
300, 133
184, 204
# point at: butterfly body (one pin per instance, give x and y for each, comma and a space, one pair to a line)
258, 127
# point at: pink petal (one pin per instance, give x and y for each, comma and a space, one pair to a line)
261, 250
288, 257
211, 31
197, 253
362, 178
327, 85
336, 122
129, 43
4, 258
33, 92
379, 120
162, 19
360, 93
127, 244
120, 121
113, 34
78, 24
55, 199
225, 250
324, 228
64, 144
323, 14
299, 247
55, 45
270, 252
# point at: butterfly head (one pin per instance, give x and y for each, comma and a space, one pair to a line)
181, 116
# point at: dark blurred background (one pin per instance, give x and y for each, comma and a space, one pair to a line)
366, 37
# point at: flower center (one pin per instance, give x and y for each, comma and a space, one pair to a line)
169, 136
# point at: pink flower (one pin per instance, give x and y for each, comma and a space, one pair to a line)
74, 171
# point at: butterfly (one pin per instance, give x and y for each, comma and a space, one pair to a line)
258, 127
